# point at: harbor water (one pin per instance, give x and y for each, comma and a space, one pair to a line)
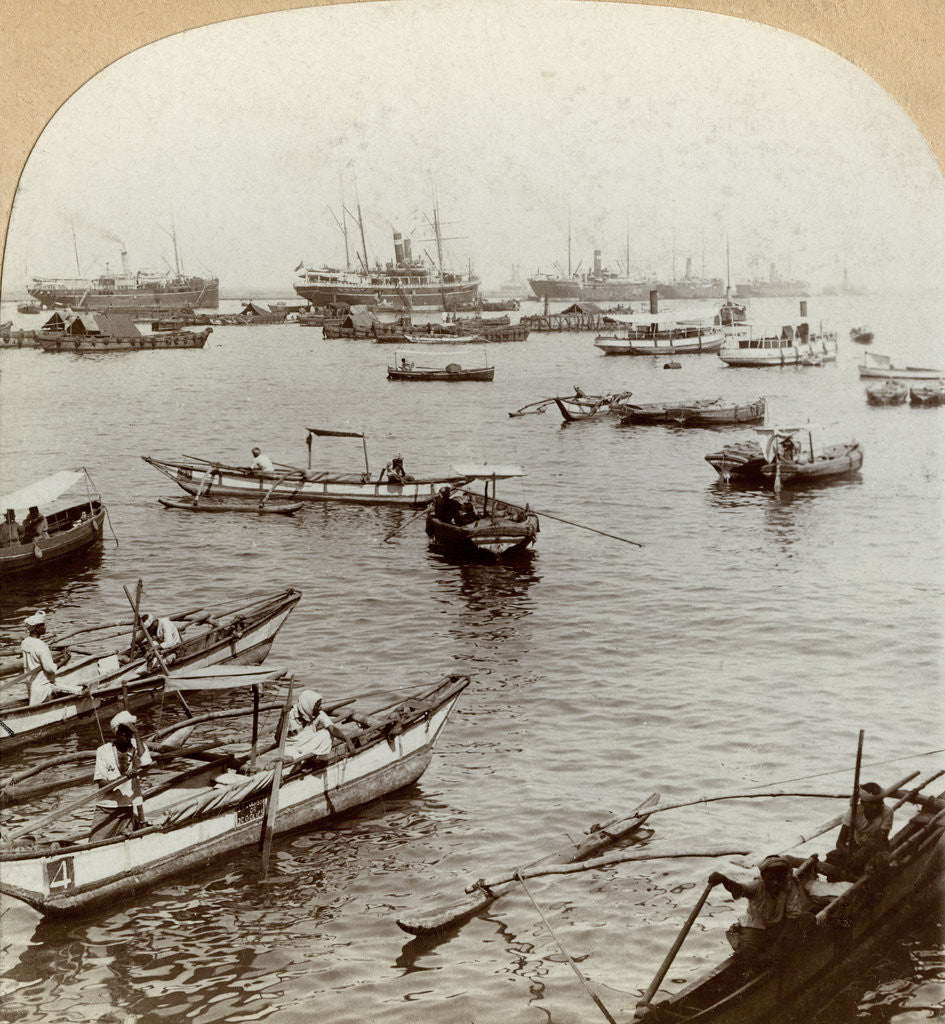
738, 650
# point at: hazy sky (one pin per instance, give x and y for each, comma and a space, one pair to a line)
685, 126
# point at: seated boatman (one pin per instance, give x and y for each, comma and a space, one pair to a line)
396, 472
310, 730
261, 463
445, 507
9, 529
35, 526
778, 912
165, 635
865, 845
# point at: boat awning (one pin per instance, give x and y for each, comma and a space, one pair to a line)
483, 470
333, 433
42, 492
807, 428
220, 677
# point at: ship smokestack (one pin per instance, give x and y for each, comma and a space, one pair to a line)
124, 262
804, 307
398, 248
407, 256
597, 262
688, 267
654, 301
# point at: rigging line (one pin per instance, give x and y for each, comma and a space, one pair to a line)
840, 771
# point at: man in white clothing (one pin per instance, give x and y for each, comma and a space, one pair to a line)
122, 810
261, 463
310, 730
39, 665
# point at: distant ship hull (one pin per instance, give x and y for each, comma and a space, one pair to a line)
195, 293
772, 290
563, 289
432, 296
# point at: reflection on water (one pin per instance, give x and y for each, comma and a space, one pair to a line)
71, 578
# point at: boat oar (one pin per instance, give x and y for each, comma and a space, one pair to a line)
566, 955
62, 811
854, 797
406, 522
603, 862
671, 955
154, 648
558, 519
273, 808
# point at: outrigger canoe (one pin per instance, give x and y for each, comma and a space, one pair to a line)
241, 635
222, 806
217, 480
583, 407
855, 917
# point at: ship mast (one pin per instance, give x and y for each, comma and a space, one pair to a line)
569, 240
75, 249
357, 199
344, 225
728, 273
437, 232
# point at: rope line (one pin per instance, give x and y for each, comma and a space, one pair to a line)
846, 769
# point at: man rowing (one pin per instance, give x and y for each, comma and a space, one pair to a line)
778, 912
39, 665
122, 810
864, 845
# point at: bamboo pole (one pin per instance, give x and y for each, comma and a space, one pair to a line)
273, 809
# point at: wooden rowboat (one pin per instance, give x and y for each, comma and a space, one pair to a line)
927, 394
712, 412
210, 811
887, 392
499, 529
855, 918
241, 635
71, 530
262, 508
439, 919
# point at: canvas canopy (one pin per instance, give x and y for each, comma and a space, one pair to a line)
42, 492
220, 677
254, 309
332, 433
484, 470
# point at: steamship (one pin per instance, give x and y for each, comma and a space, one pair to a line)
127, 289
603, 285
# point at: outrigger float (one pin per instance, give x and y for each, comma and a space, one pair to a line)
228, 803
294, 483
241, 635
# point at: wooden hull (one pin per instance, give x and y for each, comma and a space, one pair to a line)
857, 920
243, 636
696, 414
889, 392
192, 826
253, 507
144, 343
836, 460
489, 538
739, 463
230, 482
927, 395
707, 341
573, 409
46, 554
901, 372
485, 373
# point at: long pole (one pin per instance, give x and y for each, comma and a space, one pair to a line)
671, 955
566, 955
273, 808
854, 797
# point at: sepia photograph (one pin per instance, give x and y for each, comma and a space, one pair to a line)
586, 660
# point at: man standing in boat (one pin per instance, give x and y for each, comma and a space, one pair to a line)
864, 846
778, 913
39, 665
445, 507
122, 810
261, 463
9, 529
